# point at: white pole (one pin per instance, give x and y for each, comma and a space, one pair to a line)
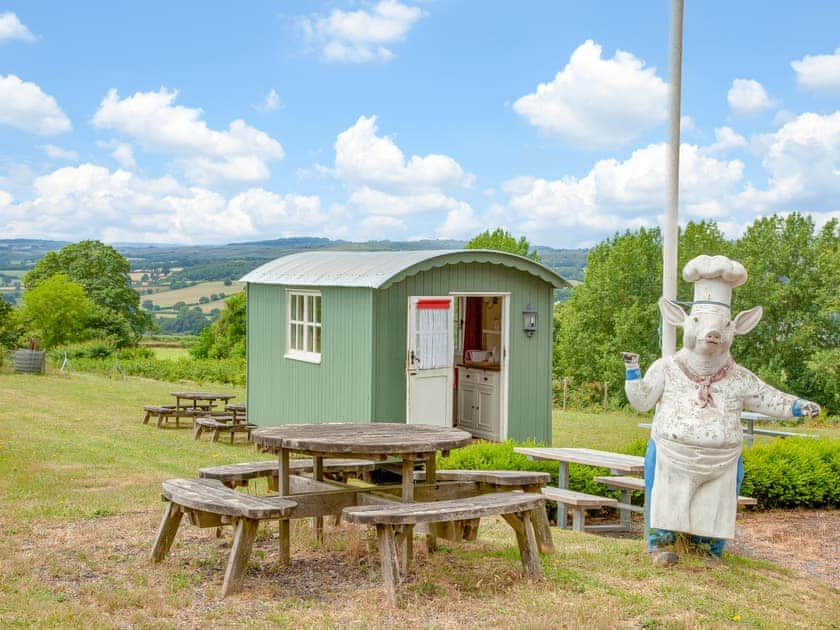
669, 227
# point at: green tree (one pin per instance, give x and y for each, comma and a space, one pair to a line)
103, 273
226, 336
9, 329
613, 310
503, 241
56, 311
793, 274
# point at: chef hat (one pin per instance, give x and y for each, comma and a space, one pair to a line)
714, 278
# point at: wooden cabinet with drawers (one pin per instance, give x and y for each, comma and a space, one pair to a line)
478, 402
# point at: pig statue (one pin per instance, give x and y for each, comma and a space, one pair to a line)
693, 466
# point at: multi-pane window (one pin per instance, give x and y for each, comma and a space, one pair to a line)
303, 329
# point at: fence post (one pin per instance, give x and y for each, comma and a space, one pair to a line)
565, 390
605, 396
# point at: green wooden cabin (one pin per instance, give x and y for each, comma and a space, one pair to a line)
455, 338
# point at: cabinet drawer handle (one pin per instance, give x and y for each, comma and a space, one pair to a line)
486, 379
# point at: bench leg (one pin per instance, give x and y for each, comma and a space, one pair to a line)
197, 431
625, 515
527, 542
388, 561
160, 420
578, 519
539, 518
146, 418
273, 483
240, 551
215, 435
166, 531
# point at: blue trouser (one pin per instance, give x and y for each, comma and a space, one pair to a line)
657, 537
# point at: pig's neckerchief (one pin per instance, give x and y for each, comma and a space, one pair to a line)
704, 391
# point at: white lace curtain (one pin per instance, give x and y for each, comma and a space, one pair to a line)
432, 347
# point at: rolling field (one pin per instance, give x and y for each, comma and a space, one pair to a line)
191, 295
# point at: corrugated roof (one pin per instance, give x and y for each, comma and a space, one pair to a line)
378, 269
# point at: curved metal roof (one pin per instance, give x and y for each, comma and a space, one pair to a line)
378, 270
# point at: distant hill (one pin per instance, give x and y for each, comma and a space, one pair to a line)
200, 263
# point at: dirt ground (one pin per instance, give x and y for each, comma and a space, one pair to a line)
804, 541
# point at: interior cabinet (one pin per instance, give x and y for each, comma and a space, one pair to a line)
478, 402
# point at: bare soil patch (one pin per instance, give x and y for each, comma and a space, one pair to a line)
804, 541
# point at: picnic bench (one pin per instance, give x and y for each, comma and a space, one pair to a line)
395, 522
233, 475
630, 484
220, 424
163, 413
208, 503
578, 503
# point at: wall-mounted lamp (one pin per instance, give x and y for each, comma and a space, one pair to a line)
529, 320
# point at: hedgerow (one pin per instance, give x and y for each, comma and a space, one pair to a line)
784, 473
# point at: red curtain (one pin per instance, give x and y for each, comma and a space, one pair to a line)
472, 325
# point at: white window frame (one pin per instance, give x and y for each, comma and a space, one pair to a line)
298, 354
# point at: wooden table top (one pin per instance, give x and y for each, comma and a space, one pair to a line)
587, 456
203, 396
376, 439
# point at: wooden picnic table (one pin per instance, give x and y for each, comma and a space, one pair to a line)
411, 443
205, 400
618, 463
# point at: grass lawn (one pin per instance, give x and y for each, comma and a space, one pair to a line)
80, 501
191, 295
171, 353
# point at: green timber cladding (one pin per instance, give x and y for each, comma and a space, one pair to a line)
364, 306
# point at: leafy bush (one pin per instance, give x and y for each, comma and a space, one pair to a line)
500, 456
793, 472
231, 371
93, 349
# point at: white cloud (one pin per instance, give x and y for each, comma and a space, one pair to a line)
25, 106
747, 97
241, 153
596, 102
11, 28
364, 158
363, 35
124, 155
818, 72
58, 153
618, 195
461, 223
802, 159
270, 102
726, 139
89, 201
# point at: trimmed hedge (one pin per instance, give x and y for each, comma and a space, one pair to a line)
793, 472
784, 473
230, 371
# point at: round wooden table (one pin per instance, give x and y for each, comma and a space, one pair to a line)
380, 440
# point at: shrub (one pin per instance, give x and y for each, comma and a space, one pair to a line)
793, 472
231, 371
93, 349
500, 456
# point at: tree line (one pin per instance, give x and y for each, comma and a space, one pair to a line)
794, 273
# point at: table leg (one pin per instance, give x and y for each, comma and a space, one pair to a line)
431, 477
318, 475
283, 491
624, 516
408, 497
562, 482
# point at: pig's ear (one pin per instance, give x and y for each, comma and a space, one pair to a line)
673, 313
745, 321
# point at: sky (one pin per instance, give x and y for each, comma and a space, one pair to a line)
213, 122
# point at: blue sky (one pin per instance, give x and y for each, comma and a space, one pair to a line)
195, 122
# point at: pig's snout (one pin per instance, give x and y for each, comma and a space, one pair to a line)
713, 336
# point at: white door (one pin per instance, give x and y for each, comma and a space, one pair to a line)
429, 365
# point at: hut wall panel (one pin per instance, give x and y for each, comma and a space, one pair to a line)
529, 397
287, 391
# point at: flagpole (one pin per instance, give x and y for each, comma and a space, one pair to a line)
670, 224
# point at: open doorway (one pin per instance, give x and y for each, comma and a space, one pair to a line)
457, 362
